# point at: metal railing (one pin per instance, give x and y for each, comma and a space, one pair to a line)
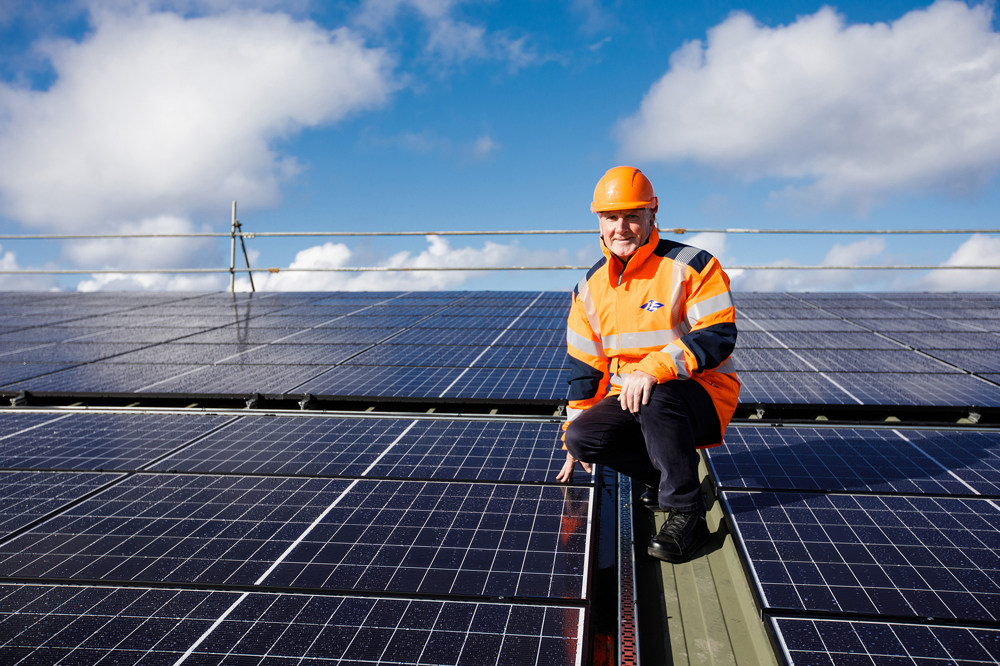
236, 232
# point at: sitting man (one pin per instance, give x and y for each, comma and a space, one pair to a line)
649, 336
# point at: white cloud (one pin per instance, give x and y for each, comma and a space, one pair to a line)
15, 282
979, 250
849, 113
439, 253
146, 253
152, 282
860, 253
158, 114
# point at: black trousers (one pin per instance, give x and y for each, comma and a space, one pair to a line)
655, 446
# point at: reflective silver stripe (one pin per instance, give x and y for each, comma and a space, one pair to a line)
727, 367
573, 412
709, 306
686, 255
677, 355
586, 345
583, 291
677, 300
642, 339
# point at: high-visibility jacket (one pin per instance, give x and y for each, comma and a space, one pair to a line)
669, 313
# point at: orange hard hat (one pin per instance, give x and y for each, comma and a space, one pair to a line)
623, 188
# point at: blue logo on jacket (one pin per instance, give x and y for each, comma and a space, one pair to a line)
651, 306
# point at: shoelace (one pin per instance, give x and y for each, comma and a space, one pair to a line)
676, 523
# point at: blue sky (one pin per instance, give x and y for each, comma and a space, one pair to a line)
128, 116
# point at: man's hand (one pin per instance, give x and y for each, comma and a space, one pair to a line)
566, 473
636, 390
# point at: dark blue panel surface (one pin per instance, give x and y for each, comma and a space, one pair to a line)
96, 441
847, 643
915, 389
168, 528
85, 625
393, 448
791, 388
26, 496
898, 556
375, 381
447, 538
855, 459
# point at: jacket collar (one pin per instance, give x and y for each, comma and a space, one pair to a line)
615, 264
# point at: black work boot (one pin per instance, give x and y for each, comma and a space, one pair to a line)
651, 498
680, 537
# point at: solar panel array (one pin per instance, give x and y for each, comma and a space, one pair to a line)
448, 346
212, 534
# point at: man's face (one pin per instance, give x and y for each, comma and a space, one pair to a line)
625, 231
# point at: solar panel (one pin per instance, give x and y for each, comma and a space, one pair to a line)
421, 537
28, 495
482, 450
956, 462
791, 388
914, 389
811, 641
984, 360
898, 556
447, 538
97, 441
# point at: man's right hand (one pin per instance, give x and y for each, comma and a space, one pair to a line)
566, 473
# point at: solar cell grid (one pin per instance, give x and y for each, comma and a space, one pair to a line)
172, 528
14, 375
779, 312
888, 326
950, 340
524, 357
232, 379
818, 325
522, 384
99, 378
482, 336
85, 625
26, 496
375, 381
954, 462
330, 629
63, 352
917, 389
299, 354
540, 323
818, 340
446, 538
898, 556
452, 356
289, 445
430, 449
984, 360
96, 441
811, 641
791, 388
463, 322
865, 360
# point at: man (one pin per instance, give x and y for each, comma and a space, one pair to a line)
649, 336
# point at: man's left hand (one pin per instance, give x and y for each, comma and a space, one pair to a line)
636, 390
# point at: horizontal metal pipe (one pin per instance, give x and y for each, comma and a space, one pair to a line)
509, 232
395, 269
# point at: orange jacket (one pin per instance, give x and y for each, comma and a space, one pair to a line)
669, 314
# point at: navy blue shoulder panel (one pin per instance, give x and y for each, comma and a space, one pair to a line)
686, 254
584, 381
593, 269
